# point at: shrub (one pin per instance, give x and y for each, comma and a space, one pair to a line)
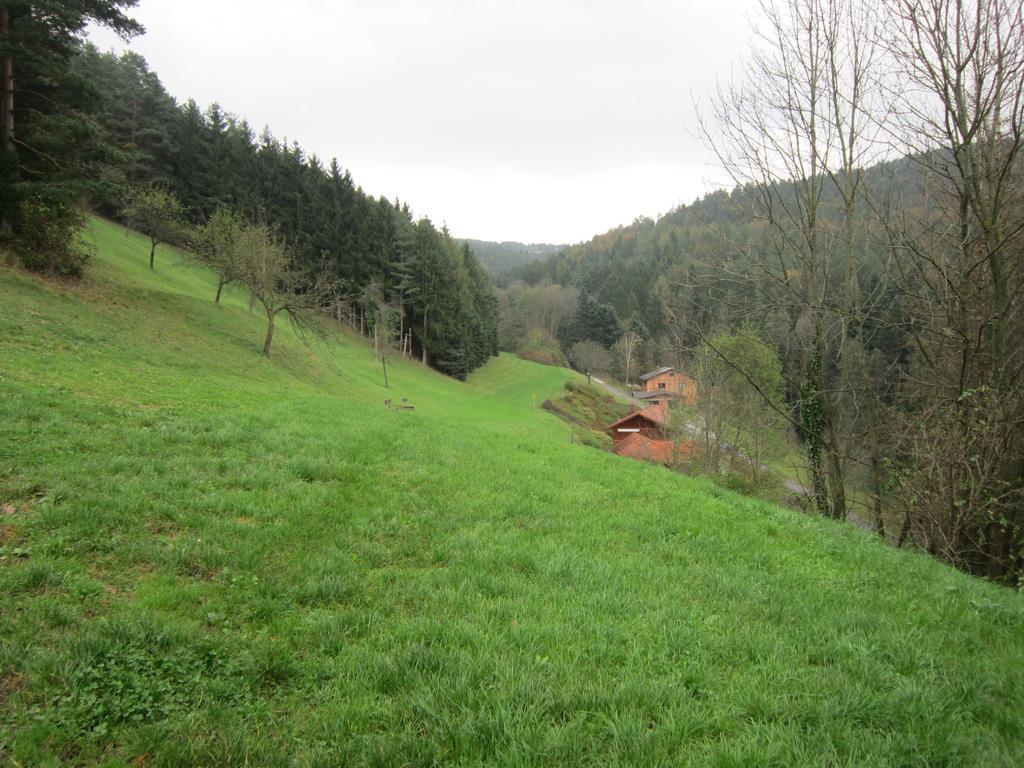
8, 186
593, 439
46, 236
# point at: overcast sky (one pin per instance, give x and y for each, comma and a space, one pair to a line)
508, 119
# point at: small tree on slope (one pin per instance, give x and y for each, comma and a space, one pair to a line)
590, 357
217, 245
267, 269
156, 213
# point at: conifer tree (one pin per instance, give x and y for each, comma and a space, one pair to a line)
47, 146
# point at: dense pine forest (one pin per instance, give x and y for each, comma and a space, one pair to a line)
505, 256
100, 129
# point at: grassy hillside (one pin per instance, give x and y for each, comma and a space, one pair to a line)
211, 558
588, 409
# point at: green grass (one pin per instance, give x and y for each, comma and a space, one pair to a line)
210, 558
589, 410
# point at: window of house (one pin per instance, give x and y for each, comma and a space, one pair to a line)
661, 385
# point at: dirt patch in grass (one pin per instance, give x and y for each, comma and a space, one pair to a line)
10, 684
168, 529
7, 533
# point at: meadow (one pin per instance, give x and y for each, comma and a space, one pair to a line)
212, 558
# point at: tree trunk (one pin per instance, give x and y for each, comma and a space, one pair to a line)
837, 480
270, 333
811, 408
220, 287
384, 363
152, 256
423, 341
9, 164
904, 531
7, 102
877, 478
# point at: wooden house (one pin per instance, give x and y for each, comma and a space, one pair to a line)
665, 384
650, 423
644, 435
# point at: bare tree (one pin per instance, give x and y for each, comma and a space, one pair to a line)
793, 135
217, 245
959, 242
385, 323
834, 86
627, 346
710, 409
269, 272
590, 357
738, 415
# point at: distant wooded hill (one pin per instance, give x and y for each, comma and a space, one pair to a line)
651, 269
886, 304
502, 257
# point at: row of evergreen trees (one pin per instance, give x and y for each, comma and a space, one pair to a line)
92, 125
210, 159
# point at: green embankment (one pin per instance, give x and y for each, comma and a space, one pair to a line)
211, 558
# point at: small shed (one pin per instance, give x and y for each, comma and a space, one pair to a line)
645, 436
650, 423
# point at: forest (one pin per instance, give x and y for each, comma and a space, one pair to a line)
89, 128
873, 241
507, 255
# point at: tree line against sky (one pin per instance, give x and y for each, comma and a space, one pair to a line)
100, 129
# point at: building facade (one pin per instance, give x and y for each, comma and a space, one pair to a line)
664, 384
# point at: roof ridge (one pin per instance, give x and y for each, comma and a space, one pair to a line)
655, 372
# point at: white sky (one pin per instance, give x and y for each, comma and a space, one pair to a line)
508, 119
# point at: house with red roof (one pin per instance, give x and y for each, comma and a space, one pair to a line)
645, 435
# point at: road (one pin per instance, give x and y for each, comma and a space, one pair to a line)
803, 491
613, 390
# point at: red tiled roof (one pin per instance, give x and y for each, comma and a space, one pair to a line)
636, 446
653, 413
